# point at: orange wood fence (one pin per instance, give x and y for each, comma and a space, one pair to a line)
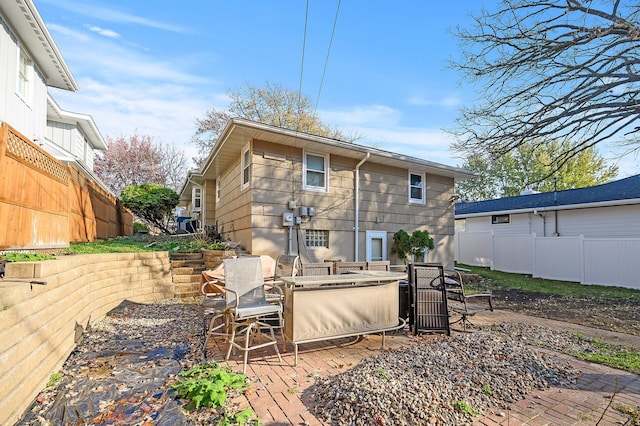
45, 203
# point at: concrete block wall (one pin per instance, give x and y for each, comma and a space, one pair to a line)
40, 323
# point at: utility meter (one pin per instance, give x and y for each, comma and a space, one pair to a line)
287, 219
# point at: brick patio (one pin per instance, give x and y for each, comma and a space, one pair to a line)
277, 390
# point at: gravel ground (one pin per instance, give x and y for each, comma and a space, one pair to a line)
122, 371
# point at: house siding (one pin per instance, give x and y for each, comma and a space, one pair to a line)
28, 116
605, 222
277, 179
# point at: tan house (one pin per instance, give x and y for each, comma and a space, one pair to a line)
276, 191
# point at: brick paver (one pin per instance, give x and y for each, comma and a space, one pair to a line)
278, 397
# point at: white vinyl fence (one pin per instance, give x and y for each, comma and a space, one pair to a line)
604, 261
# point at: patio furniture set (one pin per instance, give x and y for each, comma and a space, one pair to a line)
247, 298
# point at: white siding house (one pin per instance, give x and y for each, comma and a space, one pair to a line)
589, 235
30, 62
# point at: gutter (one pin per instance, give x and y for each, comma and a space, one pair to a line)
356, 228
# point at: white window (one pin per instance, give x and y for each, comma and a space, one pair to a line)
218, 190
314, 238
316, 172
246, 166
25, 73
196, 199
416, 188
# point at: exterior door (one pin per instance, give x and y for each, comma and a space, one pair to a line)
376, 246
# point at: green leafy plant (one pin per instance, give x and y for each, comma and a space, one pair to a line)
140, 227
420, 242
465, 408
486, 389
151, 202
383, 375
206, 385
240, 418
12, 256
415, 244
54, 379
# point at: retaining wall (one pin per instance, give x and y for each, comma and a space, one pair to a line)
41, 323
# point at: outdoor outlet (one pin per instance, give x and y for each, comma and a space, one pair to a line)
292, 205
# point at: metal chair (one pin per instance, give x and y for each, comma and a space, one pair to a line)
287, 265
428, 310
455, 292
247, 305
214, 309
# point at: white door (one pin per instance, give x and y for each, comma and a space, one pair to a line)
376, 245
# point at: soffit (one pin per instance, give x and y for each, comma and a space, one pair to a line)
27, 24
239, 132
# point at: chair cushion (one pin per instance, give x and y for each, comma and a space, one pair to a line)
257, 310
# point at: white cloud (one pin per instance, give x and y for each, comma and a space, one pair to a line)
111, 15
450, 101
103, 32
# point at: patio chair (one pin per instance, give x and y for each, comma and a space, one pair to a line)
214, 309
348, 267
428, 299
465, 305
379, 265
287, 265
247, 306
315, 269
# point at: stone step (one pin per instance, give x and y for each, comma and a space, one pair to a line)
185, 256
181, 279
188, 270
187, 263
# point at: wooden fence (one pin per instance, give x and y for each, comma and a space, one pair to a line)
45, 203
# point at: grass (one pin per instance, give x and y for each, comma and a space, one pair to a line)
560, 288
131, 244
615, 356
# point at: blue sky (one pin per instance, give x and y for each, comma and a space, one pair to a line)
153, 67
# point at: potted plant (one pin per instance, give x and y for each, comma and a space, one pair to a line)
417, 245
421, 243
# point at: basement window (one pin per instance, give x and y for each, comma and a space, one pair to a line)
314, 238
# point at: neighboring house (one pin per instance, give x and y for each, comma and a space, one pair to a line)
608, 210
275, 191
588, 235
29, 63
49, 194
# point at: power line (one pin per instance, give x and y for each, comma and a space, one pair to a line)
326, 62
304, 43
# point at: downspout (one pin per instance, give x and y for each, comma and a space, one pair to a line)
356, 228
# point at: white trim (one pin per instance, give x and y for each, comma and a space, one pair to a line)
196, 194
305, 186
243, 167
218, 189
370, 236
422, 200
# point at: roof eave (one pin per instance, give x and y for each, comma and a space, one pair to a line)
31, 30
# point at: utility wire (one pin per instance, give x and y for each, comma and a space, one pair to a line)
304, 43
326, 62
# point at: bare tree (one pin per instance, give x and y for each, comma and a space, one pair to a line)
137, 159
272, 104
552, 69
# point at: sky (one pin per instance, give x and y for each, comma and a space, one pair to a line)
154, 67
